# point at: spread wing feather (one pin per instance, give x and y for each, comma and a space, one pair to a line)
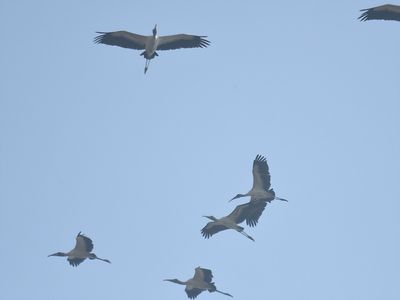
75, 261
202, 274
212, 228
382, 12
177, 41
123, 39
261, 176
255, 211
192, 292
83, 243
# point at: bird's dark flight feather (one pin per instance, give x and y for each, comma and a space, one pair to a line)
75, 261
177, 41
382, 12
123, 39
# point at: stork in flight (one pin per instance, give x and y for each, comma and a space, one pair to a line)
261, 189
82, 250
250, 212
151, 43
201, 281
382, 12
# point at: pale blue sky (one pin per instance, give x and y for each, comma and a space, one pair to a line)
88, 143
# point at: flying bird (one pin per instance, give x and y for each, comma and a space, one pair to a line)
82, 250
261, 190
201, 281
250, 212
382, 12
150, 44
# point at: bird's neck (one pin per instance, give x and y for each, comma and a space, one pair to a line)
180, 282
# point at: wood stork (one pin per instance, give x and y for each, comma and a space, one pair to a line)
82, 250
250, 212
151, 43
382, 12
201, 281
261, 189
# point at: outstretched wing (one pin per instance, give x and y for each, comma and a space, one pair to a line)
75, 261
83, 243
176, 41
250, 211
212, 228
238, 215
254, 211
192, 292
261, 176
123, 39
201, 274
382, 12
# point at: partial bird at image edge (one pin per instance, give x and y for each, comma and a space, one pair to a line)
387, 12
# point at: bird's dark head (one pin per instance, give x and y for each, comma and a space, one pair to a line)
57, 254
237, 196
155, 30
211, 218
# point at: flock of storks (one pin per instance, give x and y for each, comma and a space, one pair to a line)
261, 192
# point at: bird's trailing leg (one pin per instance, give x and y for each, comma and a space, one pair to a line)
146, 65
94, 256
224, 293
246, 235
277, 198
106, 260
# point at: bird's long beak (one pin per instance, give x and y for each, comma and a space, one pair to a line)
155, 30
209, 217
212, 218
54, 254
233, 198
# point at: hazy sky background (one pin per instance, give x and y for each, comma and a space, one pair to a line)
89, 143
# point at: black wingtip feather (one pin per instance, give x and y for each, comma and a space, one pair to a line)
99, 39
364, 16
260, 158
205, 234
